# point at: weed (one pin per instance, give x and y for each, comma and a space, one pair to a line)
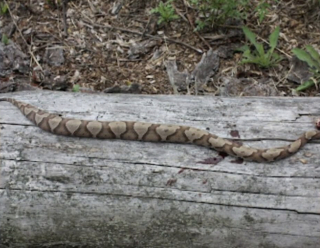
76, 88
4, 39
215, 12
312, 58
262, 9
3, 8
166, 11
259, 56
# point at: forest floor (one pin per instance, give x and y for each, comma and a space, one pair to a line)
111, 45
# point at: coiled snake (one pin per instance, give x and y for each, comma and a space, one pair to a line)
151, 132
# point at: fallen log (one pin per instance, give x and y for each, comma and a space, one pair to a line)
58, 191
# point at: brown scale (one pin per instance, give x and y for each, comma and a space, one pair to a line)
152, 132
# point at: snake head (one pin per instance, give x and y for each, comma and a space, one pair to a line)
318, 123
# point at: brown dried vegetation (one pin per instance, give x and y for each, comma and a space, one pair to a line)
104, 44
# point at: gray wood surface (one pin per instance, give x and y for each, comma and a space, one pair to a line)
60, 191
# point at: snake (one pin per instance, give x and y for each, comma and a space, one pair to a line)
153, 132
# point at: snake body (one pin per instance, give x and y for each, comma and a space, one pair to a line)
152, 132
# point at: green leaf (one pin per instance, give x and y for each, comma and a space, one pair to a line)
250, 35
305, 85
273, 38
4, 8
4, 39
174, 17
161, 20
314, 54
76, 88
276, 58
304, 56
242, 48
166, 11
260, 49
247, 54
252, 38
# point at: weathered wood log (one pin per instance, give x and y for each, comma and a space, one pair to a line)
60, 191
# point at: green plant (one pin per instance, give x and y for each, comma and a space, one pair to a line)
4, 39
312, 58
259, 56
215, 12
218, 11
166, 11
3, 8
76, 88
262, 9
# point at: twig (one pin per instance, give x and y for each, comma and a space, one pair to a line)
90, 25
29, 49
229, 26
146, 26
179, 13
194, 28
64, 14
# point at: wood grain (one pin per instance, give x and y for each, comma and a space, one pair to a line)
111, 193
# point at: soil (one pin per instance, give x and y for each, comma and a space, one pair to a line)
97, 45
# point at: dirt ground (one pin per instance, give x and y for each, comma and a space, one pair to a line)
111, 46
